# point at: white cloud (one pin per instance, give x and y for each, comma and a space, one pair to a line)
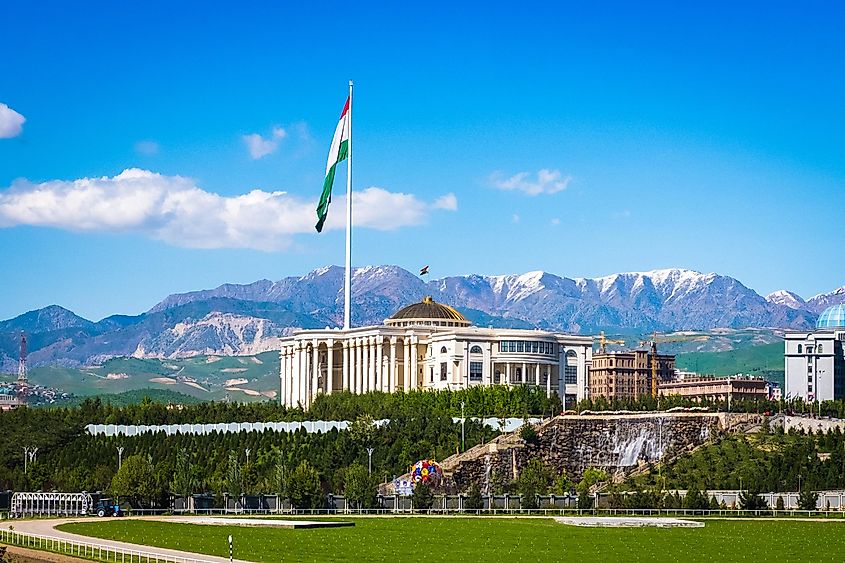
515, 218
555, 222
448, 202
259, 147
146, 148
11, 122
175, 210
545, 182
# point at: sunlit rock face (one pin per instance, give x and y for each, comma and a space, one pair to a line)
616, 443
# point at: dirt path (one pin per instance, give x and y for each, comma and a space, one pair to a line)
16, 554
47, 528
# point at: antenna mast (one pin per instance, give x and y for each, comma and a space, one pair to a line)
23, 386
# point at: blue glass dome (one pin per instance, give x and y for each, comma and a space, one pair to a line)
832, 317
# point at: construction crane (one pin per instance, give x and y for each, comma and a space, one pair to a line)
604, 341
653, 345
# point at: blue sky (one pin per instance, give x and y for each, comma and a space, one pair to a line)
631, 137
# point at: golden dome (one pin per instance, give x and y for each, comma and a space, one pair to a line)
427, 312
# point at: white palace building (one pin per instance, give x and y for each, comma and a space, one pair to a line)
429, 345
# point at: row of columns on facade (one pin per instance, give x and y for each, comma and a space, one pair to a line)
363, 367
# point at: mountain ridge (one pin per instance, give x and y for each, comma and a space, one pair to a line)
250, 318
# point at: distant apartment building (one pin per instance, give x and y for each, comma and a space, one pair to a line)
8, 399
814, 361
627, 375
693, 386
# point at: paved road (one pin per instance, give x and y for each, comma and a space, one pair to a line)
47, 528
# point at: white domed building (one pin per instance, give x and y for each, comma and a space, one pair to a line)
815, 361
430, 345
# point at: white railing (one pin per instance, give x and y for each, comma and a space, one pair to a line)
89, 550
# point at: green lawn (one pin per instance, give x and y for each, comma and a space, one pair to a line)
508, 540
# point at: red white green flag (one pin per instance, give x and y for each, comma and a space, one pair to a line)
338, 152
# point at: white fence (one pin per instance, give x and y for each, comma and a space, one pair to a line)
89, 550
310, 426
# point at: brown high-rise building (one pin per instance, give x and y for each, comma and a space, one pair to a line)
627, 375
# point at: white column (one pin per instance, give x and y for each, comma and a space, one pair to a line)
330, 368
380, 384
414, 362
523, 378
315, 370
359, 364
299, 379
548, 380
282, 376
406, 365
508, 373
391, 374
345, 364
371, 364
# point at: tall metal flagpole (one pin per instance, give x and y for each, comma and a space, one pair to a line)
347, 282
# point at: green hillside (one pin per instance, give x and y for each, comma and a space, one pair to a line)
765, 360
241, 378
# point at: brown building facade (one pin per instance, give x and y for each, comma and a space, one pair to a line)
627, 375
717, 388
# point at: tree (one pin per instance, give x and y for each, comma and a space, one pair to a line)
807, 499
695, 500
135, 480
751, 500
422, 497
714, 504
303, 487
183, 481
360, 486
562, 485
779, 503
527, 433
533, 480
473, 500
234, 480
363, 429
278, 484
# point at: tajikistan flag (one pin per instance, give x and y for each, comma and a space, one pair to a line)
337, 153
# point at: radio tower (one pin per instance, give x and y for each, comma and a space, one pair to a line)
23, 387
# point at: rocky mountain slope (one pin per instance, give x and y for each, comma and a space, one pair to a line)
248, 319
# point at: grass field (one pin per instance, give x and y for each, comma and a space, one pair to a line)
491, 539
765, 360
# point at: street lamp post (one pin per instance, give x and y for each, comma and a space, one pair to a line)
119, 457
247, 450
462, 426
370, 460
28, 456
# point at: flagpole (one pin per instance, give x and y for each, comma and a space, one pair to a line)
347, 282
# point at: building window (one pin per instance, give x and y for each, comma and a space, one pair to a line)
809, 379
497, 377
810, 369
475, 371
570, 375
819, 349
535, 347
809, 349
475, 350
443, 350
800, 349
431, 375
520, 346
442, 371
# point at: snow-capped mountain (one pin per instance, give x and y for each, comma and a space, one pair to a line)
250, 318
787, 299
